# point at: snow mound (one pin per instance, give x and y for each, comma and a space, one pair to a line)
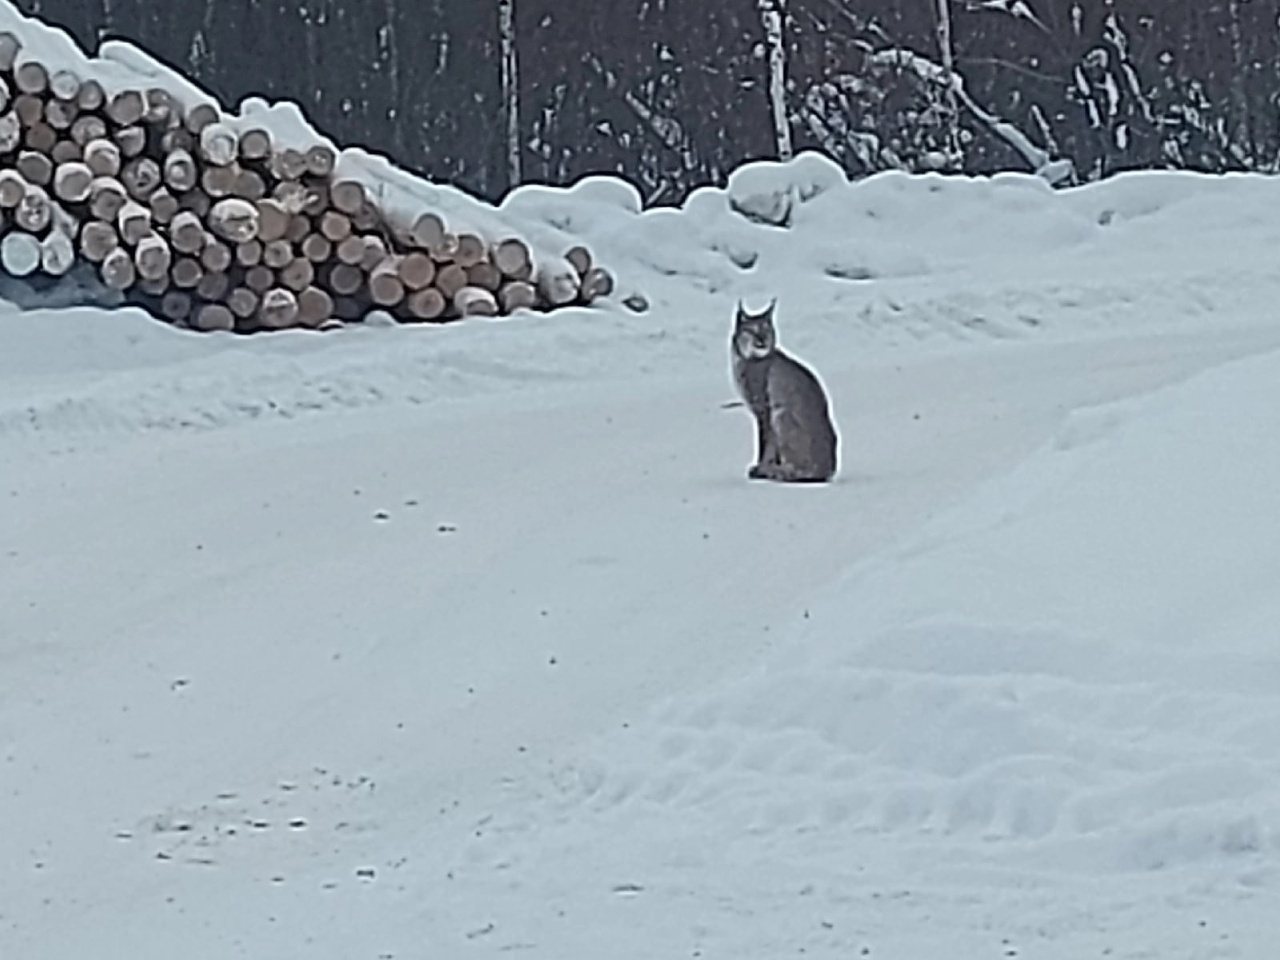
1075, 670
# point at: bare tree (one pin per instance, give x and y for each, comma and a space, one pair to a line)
510, 89
946, 49
773, 17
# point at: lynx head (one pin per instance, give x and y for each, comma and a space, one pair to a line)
753, 334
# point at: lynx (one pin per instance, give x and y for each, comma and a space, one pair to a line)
796, 438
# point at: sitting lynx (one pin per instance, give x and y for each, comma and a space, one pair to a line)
797, 441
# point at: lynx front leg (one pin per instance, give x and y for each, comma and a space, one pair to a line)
766, 447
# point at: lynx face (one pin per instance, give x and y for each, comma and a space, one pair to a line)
753, 335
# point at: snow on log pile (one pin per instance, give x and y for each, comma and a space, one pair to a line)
242, 222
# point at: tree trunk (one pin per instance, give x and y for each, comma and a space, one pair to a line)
773, 16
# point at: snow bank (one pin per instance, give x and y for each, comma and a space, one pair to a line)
1076, 670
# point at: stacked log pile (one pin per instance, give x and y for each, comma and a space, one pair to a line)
214, 227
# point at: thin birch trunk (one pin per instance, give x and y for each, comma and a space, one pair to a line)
772, 15
510, 89
946, 48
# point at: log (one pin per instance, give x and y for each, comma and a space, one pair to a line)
141, 177
176, 306
335, 226
289, 164
10, 132
29, 110
216, 257
350, 308
72, 182
103, 158
186, 233
315, 306
427, 304
35, 167
40, 136
152, 288
321, 160
427, 232
417, 270
87, 129
66, 151
517, 295
513, 258
255, 145
134, 223
385, 287
596, 283
107, 196
558, 287
316, 248
260, 279
277, 254
200, 116
213, 286
273, 220
367, 219
486, 276
97, 239
234, 220
31, 78
164, 206
219, 182
178, 139
300, 228
243, 302
450, 278
471, 250
180, 171
298, 274
61, 114
153, 258
375, 251
291, 195
186, 273
249, 185
351, 250
117, 270
214, 317
126, 108
580, 259
12, 186
475, 302
345, 279
279, 309
317, 200
197, 201
34, 212
91, 97
249, 253
65, 85
132, 141
20, 254
219, 144
347, 196
10, 47
162, 109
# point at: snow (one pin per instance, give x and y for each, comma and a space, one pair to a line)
474, 640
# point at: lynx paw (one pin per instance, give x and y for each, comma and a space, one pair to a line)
760, 471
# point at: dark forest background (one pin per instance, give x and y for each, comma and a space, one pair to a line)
676, 93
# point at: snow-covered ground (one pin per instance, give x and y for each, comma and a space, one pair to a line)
475, 641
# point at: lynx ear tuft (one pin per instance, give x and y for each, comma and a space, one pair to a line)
773, 304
